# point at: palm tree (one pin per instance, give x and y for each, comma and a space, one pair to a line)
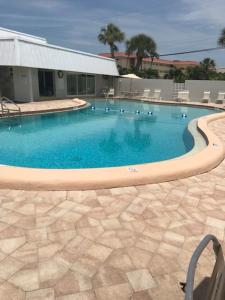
143, 46
208, 64
175, 73
110, 35
221, 40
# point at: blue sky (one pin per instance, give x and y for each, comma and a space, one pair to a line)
174, 24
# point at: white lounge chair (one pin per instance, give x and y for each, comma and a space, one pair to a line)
156, 95
146, 93
110, 93
206, 97
183, 96
220, 98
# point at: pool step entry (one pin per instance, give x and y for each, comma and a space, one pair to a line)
8, 106
210, 288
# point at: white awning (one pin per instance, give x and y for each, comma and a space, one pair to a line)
16, 51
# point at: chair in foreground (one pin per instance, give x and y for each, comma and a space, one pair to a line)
206, 97
210, 288
220, 98
156, 95
183, 96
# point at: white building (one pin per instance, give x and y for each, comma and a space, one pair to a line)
31, 69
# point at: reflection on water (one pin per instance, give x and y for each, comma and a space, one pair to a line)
111, 143
137, 139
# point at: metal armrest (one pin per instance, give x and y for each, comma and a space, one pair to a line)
189, 285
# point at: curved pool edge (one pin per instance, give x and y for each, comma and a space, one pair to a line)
75, 104
100, 178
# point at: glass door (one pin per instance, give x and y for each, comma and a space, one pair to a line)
90, 84
46, 83
82, 84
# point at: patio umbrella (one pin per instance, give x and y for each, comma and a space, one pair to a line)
131, 76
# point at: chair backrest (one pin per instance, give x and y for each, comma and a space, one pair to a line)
111, 92
206, 95
146, 92
221, 96
157, 94
212, 288
183, 95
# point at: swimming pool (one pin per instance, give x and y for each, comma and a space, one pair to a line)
106, 134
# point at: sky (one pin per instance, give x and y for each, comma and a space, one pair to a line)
175, 25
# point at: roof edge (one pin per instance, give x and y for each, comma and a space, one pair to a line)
56, 47
23, 34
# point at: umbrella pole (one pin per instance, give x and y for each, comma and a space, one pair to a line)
131, 81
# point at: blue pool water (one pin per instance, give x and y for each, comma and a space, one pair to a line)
96, 138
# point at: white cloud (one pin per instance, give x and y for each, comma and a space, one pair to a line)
209, 12
45, 4
194, 24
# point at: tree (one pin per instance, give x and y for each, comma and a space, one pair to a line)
110, 35
148, 74
195, 73
208, 64
123, 71
175, 73
143, 46
221, 40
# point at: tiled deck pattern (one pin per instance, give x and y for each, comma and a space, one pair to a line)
125, 243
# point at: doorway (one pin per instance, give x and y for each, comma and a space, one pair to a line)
46, 83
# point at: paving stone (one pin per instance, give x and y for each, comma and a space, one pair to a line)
8, 292
141, 280
43, 294
120, 291
78, 296
9, 266
26, 278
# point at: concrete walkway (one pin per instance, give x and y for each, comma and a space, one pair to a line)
44, 106
123, 243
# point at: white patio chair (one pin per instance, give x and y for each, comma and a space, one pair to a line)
156, 95
206, 97
110, 93
146, 93
220, 98
183, 96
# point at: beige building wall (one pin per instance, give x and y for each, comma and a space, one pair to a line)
162, 68
128, 63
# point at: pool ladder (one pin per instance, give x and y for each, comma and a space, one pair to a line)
6, 106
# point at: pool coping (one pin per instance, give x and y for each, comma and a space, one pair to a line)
99, 178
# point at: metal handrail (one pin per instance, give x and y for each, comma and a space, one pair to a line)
189, 285
4, 108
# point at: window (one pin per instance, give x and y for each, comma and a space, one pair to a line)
81, 84
71, 84
90, 85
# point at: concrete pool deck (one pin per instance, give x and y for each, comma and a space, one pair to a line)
131, 243
47, 106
